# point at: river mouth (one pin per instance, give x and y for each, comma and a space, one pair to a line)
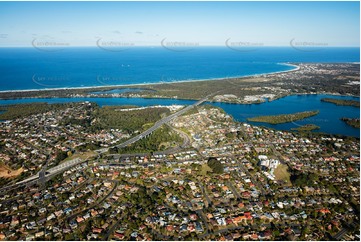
328, 119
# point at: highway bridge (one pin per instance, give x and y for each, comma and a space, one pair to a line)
156, 126
43, 175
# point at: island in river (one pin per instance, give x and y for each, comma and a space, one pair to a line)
353, 122
306, 127
341, 102
284, 118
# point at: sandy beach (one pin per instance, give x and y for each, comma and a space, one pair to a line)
296, 68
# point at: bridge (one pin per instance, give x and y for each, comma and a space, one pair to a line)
156, 126
41, 177
44, 174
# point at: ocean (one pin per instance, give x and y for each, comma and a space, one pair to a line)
31, 68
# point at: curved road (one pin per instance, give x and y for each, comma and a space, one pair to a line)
66, 165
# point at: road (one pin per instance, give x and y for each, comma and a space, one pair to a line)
45, 175
53, 170
66, 165
205, 194
72, 216
246, 171
345, 229
156, 126
234, 190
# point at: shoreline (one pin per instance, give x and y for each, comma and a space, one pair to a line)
296, 68
186, 99
162, 87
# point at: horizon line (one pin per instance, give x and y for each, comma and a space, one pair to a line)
193, 47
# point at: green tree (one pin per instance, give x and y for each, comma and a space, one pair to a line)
215, 165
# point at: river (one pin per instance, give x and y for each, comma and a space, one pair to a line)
328, 118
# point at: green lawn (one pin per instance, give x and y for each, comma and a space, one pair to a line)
282, 174
205, 169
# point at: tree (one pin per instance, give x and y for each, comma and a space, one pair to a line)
215, 165
61, 155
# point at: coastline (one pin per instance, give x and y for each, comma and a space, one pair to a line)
189, 89
296, 68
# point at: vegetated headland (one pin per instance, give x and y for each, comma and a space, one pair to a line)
283, 118
341, 102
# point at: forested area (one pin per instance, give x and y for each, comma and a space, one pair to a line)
283, 118
26, 109
215, 165
161, 139
341, 102
109, 117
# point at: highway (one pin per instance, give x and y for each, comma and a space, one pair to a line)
50, 172
66, 165
156, 126
54, 170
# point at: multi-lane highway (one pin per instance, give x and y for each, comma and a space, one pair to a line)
156, 126
55, 169
45, 174
66, 165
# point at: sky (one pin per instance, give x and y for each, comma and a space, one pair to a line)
179, 23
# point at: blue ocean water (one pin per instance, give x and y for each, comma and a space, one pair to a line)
328, 118
30, 68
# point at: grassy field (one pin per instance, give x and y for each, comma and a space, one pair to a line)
7, 172
205, 169
283, 118
282, 174
81, 155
